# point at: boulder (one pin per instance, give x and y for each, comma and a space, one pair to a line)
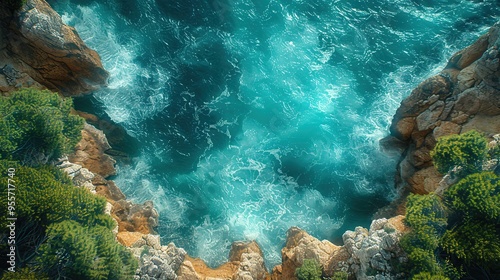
90, 152
41, 50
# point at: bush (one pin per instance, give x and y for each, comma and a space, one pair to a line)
309, 270
77, 252
45, 195
340, 275
429, 276
63, 225
473, 241
467, 150
477, 195
37, 127
23, 274
426, 216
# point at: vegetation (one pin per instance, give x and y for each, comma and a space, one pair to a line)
14, 5
467, 151
426, 216
464, 235
61, 230
36, 126
309, 270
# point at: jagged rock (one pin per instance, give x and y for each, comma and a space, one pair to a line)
40, 47
250, 259
80, 176
300, 246
464, 96
245, 263
158, 263
135, 217
373, 253
90, 152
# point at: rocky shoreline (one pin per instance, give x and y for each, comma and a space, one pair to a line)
38, 50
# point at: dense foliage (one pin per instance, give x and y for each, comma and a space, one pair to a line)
309, 270
36, 126
426, 216
467, 151
470, 243
61, 229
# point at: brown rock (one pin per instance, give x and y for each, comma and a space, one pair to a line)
485, 124
90, 152
425, 181
429, 118
446, 128
403, 128
300, 246
128, 238
51, 53
467, 56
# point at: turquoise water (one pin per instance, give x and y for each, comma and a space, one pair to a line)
257, 115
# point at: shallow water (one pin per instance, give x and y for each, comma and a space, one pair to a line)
257, 115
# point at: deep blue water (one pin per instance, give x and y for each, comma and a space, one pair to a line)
257, 115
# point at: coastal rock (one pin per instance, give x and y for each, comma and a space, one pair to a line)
464, 96
157, 262
300, 246
41, 50
91, 152
374, 252
245, 263
80, 176
135, 217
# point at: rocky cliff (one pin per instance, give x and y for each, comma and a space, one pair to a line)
463, 96
37, 49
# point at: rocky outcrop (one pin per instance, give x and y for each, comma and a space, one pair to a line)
375, 252
38, 49
245, 263
91, 152
300, 246
89, 166
155, 261
366, 254
464, 96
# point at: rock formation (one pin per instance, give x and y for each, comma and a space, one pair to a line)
245, 263
463, 96
365, 253
38, 49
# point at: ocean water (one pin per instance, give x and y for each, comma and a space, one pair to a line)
257, 115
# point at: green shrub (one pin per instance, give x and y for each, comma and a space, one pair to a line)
429, 276
77, 252
61, 229
340, 275
45, 195
467, 150
36, 126
477, 195
309, 270
426, 216
13, 4
474, 241
23, 274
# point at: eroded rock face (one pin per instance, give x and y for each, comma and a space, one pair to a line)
91, 152
245, 263
464, 96
155, 261
300, 246
374, 252
38, 49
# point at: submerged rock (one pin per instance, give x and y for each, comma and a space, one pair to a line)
38, 49
464, 96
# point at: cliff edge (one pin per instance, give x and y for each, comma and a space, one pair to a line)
38, 50
464, 96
